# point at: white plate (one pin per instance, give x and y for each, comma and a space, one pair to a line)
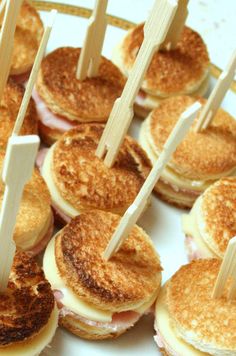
161, 222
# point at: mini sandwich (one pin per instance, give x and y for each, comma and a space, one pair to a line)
79, 181
9, 107
181, 71
189, 322
34, 224
99, 299
28, 34
211, 223
201, 158
28, 314
64, 101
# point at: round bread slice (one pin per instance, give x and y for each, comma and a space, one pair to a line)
28, 34
123, 283
34, 224
125, 286
206, 323
216, 215
174, 72
79, 181
27, 309
201, 158
10, 104
73, 101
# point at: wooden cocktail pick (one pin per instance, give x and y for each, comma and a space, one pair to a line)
33, 74
2, 10
90, 56
155, 30
227, 270
7, 40
17, 170
217, 95
176, 26
135, 210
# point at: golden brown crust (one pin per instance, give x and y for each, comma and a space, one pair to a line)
205, 155
10, 104
218, 211
130, 277
27, 304
170, 72
35, 210
28, 34
199, 318
67, 323
84, 101
85, 182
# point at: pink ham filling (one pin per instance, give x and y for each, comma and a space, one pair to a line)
192, 249
48, 118
162, 343
120, 321
140, 98
44, 241
181, 190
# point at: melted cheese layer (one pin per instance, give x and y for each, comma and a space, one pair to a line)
66, 208
190, 227
173, 344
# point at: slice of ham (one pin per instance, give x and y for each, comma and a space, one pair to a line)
140, 98
120, 321
175, 188
192, 249
163, 344
41, 157
60, 217
49, 119
44, 241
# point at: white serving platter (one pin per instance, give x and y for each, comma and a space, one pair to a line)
161, 221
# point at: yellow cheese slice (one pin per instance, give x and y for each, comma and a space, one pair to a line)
70, 299
67, 208
163, 324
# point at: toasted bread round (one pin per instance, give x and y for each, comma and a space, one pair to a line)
208, 155
77, 327
125, 282
178, 71
28, 34
85, 182
35, 216
207, 323
90, 100
27, 304
216, 215
10, 104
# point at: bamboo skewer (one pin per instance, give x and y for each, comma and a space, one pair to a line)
7, 40
2, 10
17, 170
135, 210
90, 56
217, 95
176, 26
33, 75
227, 269
121, 115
